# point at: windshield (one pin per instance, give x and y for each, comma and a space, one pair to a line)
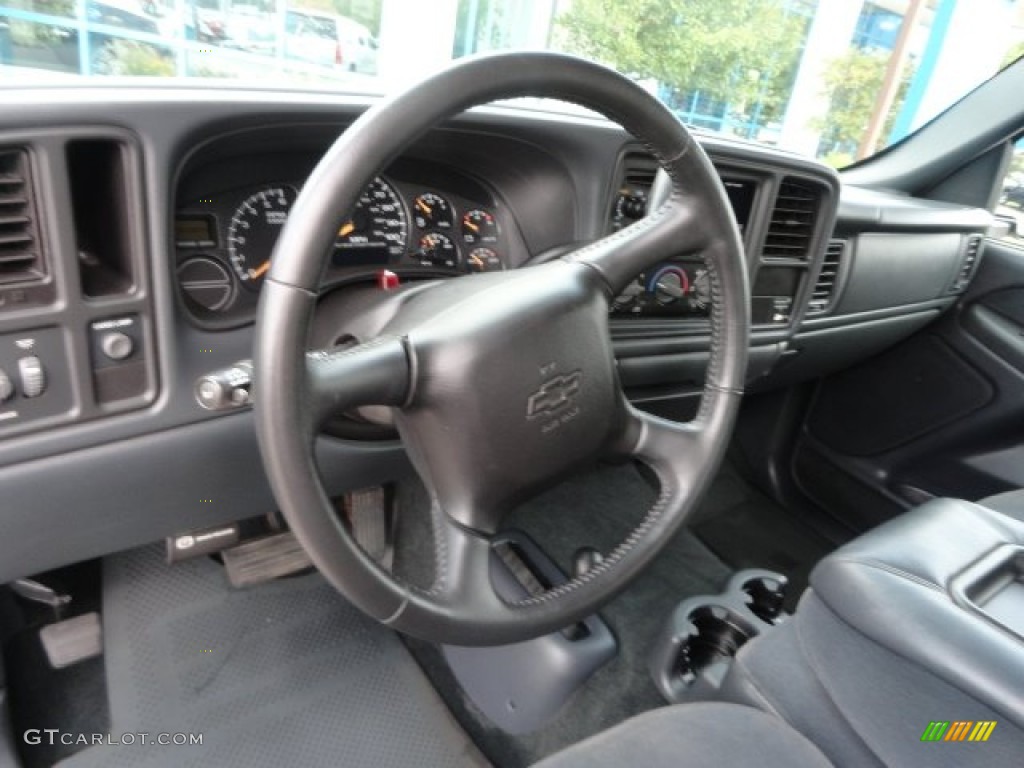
833, 79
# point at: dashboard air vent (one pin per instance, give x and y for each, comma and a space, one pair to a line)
972, 252
828, 278
639, 170
792, 224
21, 257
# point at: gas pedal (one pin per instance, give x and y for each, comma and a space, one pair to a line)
265, 559
369, 514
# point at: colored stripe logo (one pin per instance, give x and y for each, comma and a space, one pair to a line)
958, 730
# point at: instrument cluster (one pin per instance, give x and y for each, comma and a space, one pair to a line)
224, 243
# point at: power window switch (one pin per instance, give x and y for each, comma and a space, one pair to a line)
33, 376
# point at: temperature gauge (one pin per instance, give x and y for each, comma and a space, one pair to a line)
484, 260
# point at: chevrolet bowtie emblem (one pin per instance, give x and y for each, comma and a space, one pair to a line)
554, 395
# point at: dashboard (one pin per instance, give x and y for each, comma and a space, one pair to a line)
135, 247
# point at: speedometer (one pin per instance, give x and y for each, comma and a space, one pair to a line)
253, 232
377, 230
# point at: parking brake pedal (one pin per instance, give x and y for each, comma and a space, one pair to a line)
36, 592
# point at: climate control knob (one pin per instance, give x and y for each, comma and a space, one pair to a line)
669, 286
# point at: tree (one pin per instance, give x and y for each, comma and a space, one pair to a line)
1015, 52
743, 52
852, 82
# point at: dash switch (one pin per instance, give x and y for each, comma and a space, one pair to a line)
117, 345
33, 376
6, 386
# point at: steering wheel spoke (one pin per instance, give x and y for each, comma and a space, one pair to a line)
464, 567
375, 373
675, 229
680, 452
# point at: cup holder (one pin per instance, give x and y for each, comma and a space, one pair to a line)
717, 634
692, 654
765, 596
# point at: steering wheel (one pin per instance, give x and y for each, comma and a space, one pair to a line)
501, 384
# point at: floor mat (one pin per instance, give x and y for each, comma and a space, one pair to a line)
283, 674
746, 529
72, 698
597, 509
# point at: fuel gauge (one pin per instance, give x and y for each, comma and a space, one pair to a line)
432, 211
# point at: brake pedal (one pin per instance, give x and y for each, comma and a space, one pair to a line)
265, 559
73, 640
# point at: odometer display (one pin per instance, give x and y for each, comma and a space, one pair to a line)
377, 230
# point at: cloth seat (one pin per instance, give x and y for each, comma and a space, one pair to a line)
700, 735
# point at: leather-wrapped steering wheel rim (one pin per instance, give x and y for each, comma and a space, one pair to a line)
539, 339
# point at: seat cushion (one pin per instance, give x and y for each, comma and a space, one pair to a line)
1010, 503
860, 703
896, 586
694, 736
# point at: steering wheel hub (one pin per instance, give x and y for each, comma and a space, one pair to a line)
521, 365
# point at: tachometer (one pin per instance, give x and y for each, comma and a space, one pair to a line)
253, 231
377, 230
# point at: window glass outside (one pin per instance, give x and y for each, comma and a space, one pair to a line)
833, 79
1011, 199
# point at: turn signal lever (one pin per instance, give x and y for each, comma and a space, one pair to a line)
226, 389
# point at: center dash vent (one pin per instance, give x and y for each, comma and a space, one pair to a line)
793, 219
828, 279
972, 252
21, 256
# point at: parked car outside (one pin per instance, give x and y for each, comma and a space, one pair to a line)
328, 39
